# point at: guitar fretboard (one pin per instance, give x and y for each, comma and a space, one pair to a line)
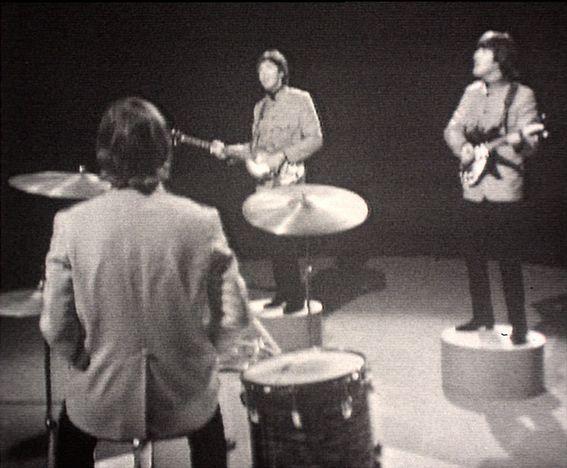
180, 138
194, 142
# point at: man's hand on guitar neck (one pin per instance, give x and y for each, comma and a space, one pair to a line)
242, 151
218, 148
514, 139
222, 151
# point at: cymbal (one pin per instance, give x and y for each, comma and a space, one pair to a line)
53, 184
21, 303
305, 210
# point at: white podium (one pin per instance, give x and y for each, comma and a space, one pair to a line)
486, 364
291, 331
166, 453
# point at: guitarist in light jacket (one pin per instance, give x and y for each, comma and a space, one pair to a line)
494, 127
286, 131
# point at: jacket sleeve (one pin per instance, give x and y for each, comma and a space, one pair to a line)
59, 322
523, 112
311, 134
454, 132
227, 293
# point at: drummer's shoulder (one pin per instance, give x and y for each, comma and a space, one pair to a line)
186, 205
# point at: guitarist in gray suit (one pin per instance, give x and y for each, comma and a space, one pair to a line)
286, 131
492, 132
142, 293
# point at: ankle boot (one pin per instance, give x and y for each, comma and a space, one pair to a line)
519, 336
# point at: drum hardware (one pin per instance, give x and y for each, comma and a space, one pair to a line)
296, 417
309, 408
51, 184
249, 350
28, 303
305, 210
346, 407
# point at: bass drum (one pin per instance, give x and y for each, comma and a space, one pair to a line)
309, 408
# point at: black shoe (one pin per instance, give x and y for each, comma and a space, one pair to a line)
291, 307
474, 325
277, 301
519, 337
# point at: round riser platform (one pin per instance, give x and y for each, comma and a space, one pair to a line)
291, 331
486, 364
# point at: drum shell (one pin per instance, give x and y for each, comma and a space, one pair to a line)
329, 435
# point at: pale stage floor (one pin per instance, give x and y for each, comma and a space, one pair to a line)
393, 311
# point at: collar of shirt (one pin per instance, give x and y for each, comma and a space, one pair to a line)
488, 88
277, 95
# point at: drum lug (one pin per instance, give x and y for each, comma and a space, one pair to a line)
253, 415
296, 418
346, 407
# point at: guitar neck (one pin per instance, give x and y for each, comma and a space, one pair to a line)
189, 140
528, 130
497, 142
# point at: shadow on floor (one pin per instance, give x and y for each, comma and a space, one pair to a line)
523, 428
342, 283
33, 447
553, 313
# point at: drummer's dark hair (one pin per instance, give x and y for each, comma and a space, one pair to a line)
133, 143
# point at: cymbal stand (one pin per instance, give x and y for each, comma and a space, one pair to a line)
50, 423
308, 271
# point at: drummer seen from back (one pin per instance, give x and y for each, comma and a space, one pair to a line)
142, 295
285, 132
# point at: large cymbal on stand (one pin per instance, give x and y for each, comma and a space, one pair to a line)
72, 185
305, 210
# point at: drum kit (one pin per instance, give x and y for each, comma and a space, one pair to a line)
305, 407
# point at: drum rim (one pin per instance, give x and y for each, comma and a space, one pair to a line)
297, 351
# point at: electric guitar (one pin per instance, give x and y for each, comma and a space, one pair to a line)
255, 161
472, 172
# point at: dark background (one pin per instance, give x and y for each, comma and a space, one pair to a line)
385, 78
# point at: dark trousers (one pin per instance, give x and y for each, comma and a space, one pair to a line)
75, 448
494, 231
286, 270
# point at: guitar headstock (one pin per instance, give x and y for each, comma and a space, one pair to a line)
536, 128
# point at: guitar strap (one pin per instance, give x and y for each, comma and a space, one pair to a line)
260, 118
492, 162
508, 102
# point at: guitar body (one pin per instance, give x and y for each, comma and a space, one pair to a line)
258, 170
484, 143
255, 163
471, 174
287, 174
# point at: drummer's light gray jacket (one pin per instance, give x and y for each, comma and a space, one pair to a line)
128, 278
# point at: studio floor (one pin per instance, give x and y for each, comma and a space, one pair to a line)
393, 310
